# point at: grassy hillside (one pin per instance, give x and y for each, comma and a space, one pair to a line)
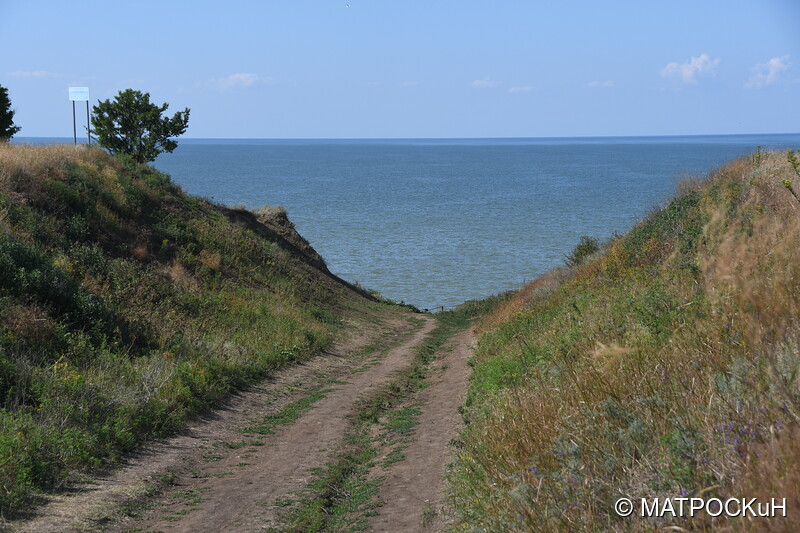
666, 365
126, 305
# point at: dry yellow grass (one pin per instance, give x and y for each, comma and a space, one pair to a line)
212, 260
17, 161
535, 290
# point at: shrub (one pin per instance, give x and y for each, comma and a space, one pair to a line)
586, 246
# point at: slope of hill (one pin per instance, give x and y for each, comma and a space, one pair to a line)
127, 305
665, 366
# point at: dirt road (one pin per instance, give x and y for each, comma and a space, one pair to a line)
414, 489
230, 471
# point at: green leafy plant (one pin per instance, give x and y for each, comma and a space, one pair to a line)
793, 160
758, 156
586, 246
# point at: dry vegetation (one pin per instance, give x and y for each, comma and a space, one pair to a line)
666, 367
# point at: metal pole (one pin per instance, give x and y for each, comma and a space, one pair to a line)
88, 133
74, 127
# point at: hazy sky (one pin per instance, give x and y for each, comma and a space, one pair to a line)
434, 68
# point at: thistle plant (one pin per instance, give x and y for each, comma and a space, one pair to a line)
793, 160
757, 156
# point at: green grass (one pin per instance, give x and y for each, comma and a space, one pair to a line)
287, 415
127, 306
340, 493
664, 367
242, 444
402, 421
395, 455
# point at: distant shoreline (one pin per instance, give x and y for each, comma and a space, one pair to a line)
603, 138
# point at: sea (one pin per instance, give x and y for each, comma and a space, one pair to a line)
435, 222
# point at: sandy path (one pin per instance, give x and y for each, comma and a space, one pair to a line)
413, 489
217, 485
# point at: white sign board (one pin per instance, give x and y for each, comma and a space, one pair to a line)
79, 94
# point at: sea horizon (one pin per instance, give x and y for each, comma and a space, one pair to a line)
21, 138
434, 222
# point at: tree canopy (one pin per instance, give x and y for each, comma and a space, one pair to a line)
7, 126
131, 124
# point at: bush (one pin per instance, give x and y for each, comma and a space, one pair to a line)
585, 247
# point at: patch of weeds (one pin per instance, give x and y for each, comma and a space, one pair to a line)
235, 445
394, 456
288, 414
428, 515
189, 493
586, 246
340, 494
403, 420
130, 512
283, 502
212, 456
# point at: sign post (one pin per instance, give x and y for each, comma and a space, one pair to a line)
79, 94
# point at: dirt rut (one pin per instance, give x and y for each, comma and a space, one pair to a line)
221, 479
240, 492
414, 489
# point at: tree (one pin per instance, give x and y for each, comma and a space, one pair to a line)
7, 127
132, 125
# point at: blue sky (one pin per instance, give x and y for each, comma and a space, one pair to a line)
435, 68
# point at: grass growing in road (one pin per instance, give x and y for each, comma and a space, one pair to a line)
342, 497
287, 415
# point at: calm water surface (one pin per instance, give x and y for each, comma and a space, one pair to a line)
437, 222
